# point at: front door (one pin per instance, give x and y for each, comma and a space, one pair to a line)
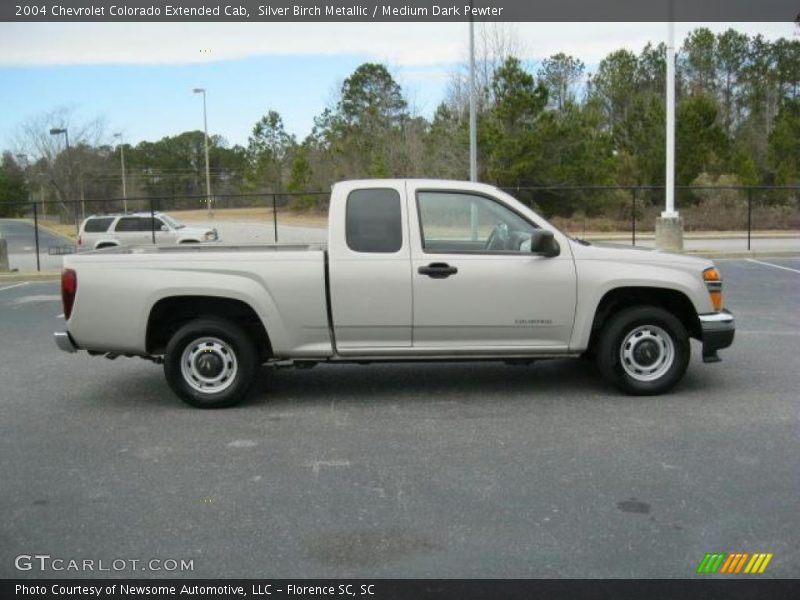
477, 287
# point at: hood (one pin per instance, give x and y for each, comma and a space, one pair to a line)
193, 230
637, 254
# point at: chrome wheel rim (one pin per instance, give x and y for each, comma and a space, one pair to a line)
647, 353
209, 365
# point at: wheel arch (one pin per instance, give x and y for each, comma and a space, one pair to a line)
671, 300
106, 244
169, 314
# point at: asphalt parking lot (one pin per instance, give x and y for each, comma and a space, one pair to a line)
456, 470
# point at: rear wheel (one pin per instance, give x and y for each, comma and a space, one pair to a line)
211, 363
643, 350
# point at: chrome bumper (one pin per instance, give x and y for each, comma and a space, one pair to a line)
64, 341
718, 330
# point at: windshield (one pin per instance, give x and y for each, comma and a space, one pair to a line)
172, 222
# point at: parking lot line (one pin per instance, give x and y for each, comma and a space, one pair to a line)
16, 285
761, 262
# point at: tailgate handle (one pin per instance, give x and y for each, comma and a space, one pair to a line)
438, 270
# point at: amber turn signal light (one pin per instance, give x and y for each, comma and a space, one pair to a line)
714, 284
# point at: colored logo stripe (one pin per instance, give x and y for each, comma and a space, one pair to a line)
758, 563
710, 563
733, 562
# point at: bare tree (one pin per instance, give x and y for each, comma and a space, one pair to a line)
495, 42
51, 165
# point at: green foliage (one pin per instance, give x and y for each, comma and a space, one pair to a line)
699, 61
614, 84
560, 74
300, 179
784, 144
175, 166
744, 167
269, 148
370, 97
700, 142
12, 187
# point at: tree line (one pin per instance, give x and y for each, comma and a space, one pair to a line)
550, 124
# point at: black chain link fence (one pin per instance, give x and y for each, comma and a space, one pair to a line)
616, 212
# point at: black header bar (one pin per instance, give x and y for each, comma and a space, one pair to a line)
400, 11
401, 589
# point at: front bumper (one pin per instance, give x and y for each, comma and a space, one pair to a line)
718, 330
64, 341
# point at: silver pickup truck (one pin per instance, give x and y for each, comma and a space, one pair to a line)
414, 270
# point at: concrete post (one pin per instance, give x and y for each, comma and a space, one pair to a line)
3, 255
669, 233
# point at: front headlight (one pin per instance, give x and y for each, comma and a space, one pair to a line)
713, 282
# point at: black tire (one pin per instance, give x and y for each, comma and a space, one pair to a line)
656, 323
234, 352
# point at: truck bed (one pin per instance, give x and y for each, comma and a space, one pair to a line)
283, 283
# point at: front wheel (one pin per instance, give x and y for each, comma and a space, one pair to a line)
643, 350
211, 363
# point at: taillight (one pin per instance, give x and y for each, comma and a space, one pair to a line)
69, 287
80, 241
714, 285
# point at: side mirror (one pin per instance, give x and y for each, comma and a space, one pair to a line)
164, 228
544, 243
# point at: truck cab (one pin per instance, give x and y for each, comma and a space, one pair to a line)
427, 267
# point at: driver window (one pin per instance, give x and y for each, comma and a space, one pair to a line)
463, 222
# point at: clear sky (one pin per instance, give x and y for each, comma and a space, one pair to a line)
139, 77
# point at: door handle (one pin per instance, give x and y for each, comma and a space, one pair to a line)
438, 270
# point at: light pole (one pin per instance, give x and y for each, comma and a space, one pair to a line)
59, 131
122, 160
473, 126
669, 209
205, 131
669, 226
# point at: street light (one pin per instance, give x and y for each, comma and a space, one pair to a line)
669, 226
122, 159
59, 131
205, 131
473, 128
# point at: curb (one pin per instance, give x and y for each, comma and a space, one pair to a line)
732, 254
16, 277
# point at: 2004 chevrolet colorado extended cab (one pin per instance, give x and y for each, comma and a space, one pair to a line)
413, 270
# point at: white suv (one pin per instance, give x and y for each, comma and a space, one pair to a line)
103, 231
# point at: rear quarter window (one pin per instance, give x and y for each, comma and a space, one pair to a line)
99, 225
373, 221
148, 224
128, 224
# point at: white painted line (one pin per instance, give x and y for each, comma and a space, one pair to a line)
61, 316
761, 262
16, 285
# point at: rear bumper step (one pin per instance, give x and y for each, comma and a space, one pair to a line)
64, 341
